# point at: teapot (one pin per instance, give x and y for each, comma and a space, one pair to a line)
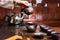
28, 10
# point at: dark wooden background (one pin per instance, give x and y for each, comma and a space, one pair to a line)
49, 15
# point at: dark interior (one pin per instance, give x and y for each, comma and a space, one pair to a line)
49, 15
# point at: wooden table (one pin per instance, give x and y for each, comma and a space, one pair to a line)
7, 32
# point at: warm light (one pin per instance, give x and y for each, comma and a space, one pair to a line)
38, 1
28, 38
17, 36
14, 37
58, 4
45, 5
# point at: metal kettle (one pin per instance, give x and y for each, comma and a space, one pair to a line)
29, 10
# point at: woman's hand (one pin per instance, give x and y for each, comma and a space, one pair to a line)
26, 3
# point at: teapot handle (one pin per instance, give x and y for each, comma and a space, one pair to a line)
7, 18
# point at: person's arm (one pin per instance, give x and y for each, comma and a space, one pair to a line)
26, 3
10, 3
7, 4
